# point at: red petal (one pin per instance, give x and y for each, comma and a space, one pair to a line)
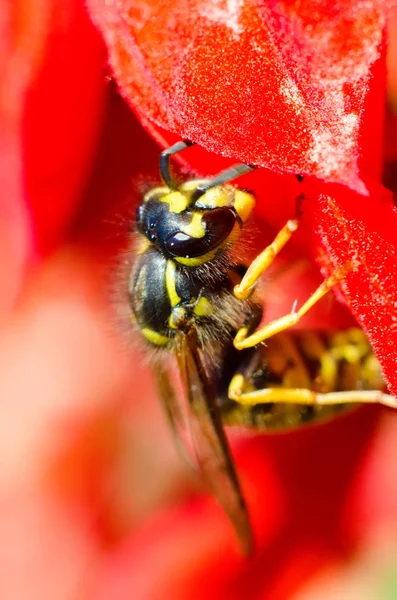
282, 85
63, 108
364, 230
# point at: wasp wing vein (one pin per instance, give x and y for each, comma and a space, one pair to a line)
210, 442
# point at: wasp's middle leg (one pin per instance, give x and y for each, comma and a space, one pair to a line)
243, 338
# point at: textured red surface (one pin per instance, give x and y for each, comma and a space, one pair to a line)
278, 84
363, 229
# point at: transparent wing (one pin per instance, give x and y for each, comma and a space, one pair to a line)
209, 439
175, 410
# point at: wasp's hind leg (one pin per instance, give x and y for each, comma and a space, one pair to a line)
296, 384
306, 397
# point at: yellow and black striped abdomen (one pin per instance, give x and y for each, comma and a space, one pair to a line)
323, 362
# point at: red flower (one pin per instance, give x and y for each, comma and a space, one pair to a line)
274, 84
289, 88
85, 470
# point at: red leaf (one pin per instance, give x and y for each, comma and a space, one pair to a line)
278, 84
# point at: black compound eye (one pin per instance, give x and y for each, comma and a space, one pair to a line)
218, 223
181, 244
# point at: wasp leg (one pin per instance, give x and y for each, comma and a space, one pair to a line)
165, 166
262, 262
305, 396
242, 341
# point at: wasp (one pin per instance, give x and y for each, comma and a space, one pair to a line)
194, 297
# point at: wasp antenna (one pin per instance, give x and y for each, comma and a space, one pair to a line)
225, 176
165, 165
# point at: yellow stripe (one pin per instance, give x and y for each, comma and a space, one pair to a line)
170, 283
199, 260
203, 307
176, 201
155, 338
177, 317
217, 197
156, 193
195, 228
192, 185
244, 203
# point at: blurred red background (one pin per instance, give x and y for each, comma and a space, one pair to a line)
95, 502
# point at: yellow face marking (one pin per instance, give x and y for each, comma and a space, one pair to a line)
195, 227
191, 186
243, 204
193, 230
177, 201
203, 307
197, 261
154, 338
170, 283
217, 197
156, 192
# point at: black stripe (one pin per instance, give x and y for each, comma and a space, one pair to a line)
148, 296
